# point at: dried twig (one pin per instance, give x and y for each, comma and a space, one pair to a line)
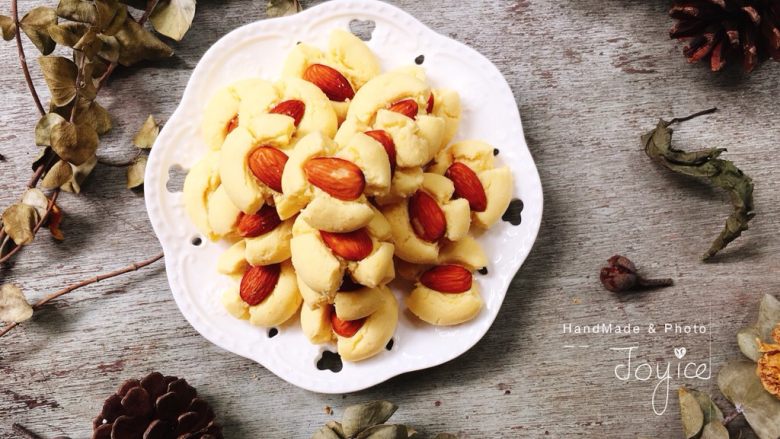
23, 59
132, 267
24, 432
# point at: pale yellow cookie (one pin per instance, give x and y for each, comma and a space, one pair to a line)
445, 308
277, 308
206, 200
376, 331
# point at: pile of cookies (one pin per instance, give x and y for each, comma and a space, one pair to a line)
335, 180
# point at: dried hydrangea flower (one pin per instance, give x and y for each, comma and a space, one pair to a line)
769, 364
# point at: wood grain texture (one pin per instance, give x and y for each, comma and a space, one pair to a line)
589, 77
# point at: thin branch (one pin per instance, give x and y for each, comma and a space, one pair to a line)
150, 5
43, 219
132, 267
23, 59
693, 116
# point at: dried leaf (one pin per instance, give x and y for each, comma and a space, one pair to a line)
690, 413
715, 430
44, 126
740, 384
60, 75
768, 318
77, 10
105, 10
110, 48
35, 25
280, 8
13, 305
146, 136
8, 27
54, 221
36, 199
80, 173
337, 428
135, 172
58, 175
706, 164
19, 221
46, 155
362, 416
384, 431
326, 433
88, 112
173, 18
711, 411
116, 22
89, 44
138, 44
75, 143
67, 34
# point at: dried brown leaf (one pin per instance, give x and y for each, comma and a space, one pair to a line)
173, 18
36, 199
68, 33
135, 172
384, 431
8, 27
740, 384
60, 75
138, 44
146, 136
58, 175
280, 8
19, 221
116, 22
691, 414
35, 25
362, 416
75, 143
110, 48
715, 430
80, 174
13, 305
77, 10
44, 126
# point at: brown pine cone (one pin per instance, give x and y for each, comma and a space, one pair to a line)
728, 31
156, 407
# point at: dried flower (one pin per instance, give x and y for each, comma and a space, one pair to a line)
621, 276
13, 305
769, 364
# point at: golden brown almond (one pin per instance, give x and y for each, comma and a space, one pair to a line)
352, 246
345, 328
335, 86
267, 164
338, 177
260, 223
384, 138
293, 108
407, 107
468, 186
447, 279
426, 217
258, 283
232, 124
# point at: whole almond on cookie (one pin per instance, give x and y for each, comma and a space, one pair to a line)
345, 328
352, 246
260, 223
468, 186
407, 107
447, 279
338, 177
335, 86
258, 283
426, 217
293, 108
387, 142
267, 164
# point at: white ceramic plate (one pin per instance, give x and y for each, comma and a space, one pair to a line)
258, 49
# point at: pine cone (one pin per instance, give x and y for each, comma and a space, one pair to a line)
726, 31
156, 407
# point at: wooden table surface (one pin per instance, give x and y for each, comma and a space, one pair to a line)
589, 78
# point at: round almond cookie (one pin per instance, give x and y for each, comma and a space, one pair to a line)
466, 252
363, 322
206, 200
445, 295
328, 185
427, 220
397, 104
322, 258
339, 72
470, 166
266, 296
238, 103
